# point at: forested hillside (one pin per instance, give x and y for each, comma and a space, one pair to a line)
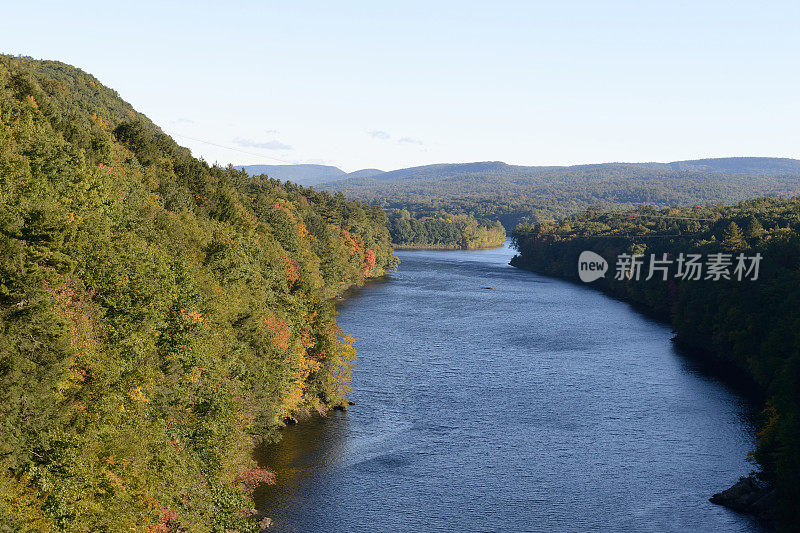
514, 194
749, 325
157, 315
444, 231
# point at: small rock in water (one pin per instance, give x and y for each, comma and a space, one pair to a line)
490, 288
340, 407
350, 402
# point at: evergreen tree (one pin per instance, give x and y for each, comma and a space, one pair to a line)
733, 239
754, 229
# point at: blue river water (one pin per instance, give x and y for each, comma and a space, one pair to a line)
493, 399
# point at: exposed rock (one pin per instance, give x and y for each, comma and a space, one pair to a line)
749, 495
255, 514
350, 402
265, 523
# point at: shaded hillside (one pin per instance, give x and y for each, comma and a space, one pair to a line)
157, 316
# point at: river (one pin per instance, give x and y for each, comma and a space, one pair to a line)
533, 405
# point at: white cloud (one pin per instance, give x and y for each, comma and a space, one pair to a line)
378, 134
266, 145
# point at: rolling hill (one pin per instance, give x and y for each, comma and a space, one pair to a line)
307, 175
365, 173
300, 174
513, 194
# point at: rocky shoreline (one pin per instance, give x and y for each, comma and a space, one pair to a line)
749, 495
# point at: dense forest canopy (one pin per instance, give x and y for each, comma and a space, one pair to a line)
444, 231
157, 315
752, 325
515, 194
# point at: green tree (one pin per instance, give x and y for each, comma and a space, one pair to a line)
733, 239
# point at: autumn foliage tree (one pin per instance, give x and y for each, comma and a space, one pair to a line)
157, 315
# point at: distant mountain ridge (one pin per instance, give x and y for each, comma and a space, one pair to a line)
365, 173
768, 166
495, 190
763, 166
300, 174
326, 174
307, 174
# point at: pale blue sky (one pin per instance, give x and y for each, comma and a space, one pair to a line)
395, 84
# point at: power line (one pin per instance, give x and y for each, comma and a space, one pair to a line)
625, 236
639, 215
233, 149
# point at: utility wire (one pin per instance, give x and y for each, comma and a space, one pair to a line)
614, 236
639, 215
233, 149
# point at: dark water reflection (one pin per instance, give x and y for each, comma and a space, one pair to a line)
536, 405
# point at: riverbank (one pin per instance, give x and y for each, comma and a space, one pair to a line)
443, 247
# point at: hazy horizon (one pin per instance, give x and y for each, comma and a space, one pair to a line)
521, 164
373, 86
